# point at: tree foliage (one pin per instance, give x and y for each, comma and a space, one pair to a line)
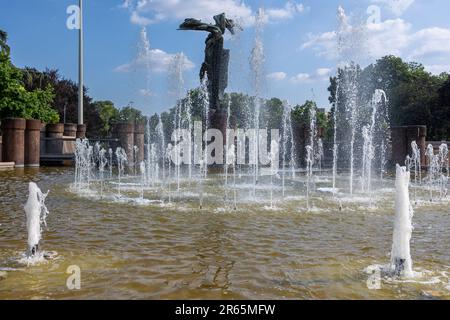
415, 95
17, 101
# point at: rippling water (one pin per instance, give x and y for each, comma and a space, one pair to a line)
155, 251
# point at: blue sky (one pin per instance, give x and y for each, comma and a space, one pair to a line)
298, 36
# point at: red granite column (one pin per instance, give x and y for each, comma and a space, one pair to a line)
124, 131
43, 142
399, 145
139, 141
422, 142
320, 132
14, 141
81, 131
70, 130
32, 143
419, 135
56, 132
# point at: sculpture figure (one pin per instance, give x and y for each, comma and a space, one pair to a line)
217, 58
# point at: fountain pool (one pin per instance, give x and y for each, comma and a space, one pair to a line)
150, 249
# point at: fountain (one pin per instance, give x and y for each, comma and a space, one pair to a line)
121, 161
319, 154
256, 65
36, 213
101, 168
369, 146
231, 160
416, 162
287, 143
214, 70
227, 143
437, 170
274, 166
110, 162
164, 186
335, 143
444, 163
309, 174
401, 263
143, 177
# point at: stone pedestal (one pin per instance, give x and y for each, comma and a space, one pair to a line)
70, 130
55, 145
32, 143
139, 141
43, 142
81, 131
320, 133
218, 120
401, 142
399, 145
14, 141
418, 134
124, 132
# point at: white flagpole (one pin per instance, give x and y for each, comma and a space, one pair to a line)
80, 67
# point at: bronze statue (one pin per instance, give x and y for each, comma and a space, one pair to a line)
217, 58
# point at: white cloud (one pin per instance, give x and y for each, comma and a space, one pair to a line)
145, 12
431, 41
277, 76
324, 44
321, 74
390, 37
397, 7
146, 93
158, 61
438, 68
126, 4
136, 18
301, 78
290, 9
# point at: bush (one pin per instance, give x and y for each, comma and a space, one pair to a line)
17, 102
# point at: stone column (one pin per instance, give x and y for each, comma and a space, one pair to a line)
32, 143
218, 121
399, 145
14, 141
55, 131
70, 133
1, 142
43, 142
124, 132
299, 133
418, 134
139, 137
70, 130
81, 131
320, 132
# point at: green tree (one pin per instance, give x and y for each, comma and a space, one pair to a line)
16, 101
108, 114
4, 48
442, 129
301, 115
412, 92
272, 114
131, 114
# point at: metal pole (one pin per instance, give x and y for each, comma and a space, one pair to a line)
80, 67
